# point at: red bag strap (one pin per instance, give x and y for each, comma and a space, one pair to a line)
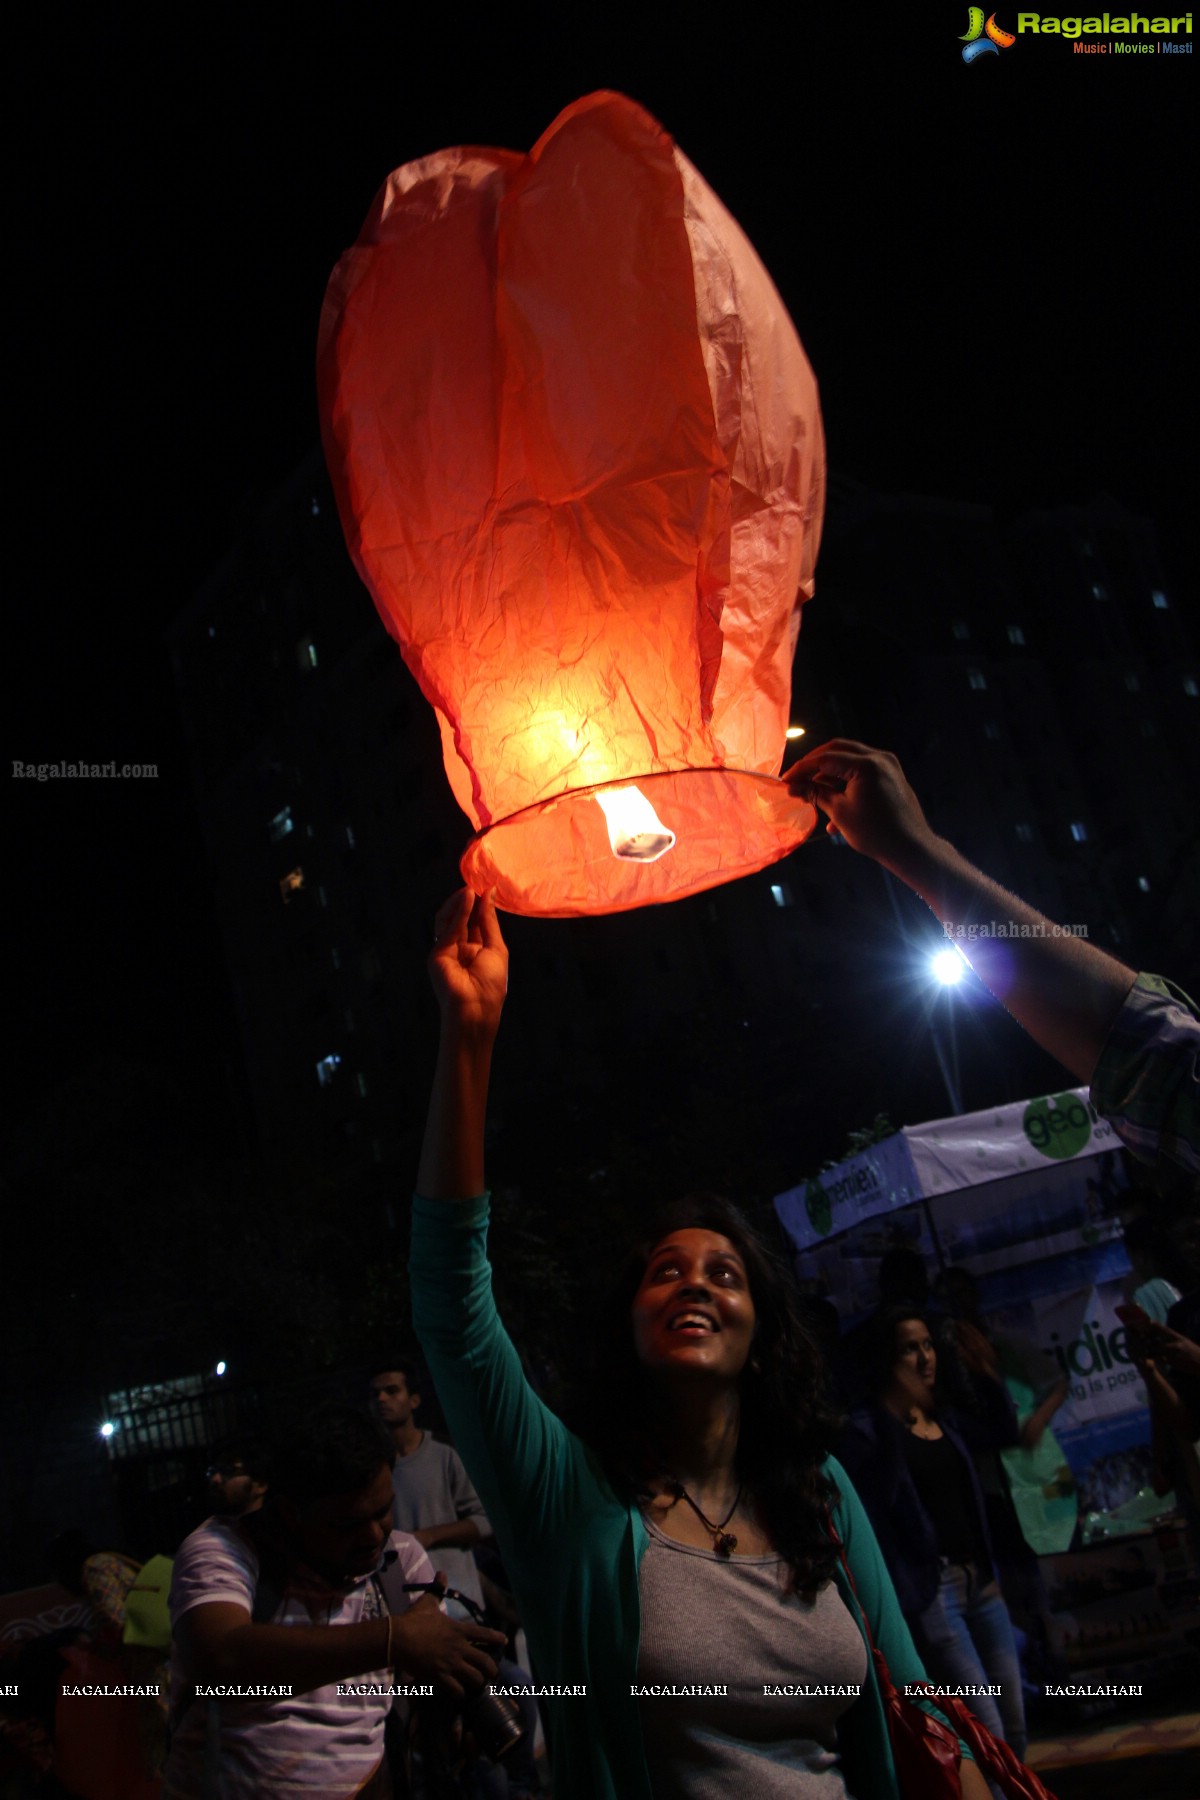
998, 1762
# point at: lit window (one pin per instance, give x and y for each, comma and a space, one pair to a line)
992, 731
1133, 683
1025, 834
961, 630
327, 1068
1015, 635
322, 897
314, 507
1079, 831
306, 654
349, 837
335, 957
1143, 884
349, 1020
1098, 593
781, 894
291, 884
1189, 686
1149, 729
1160, 600
360, 1082
282, 825
977, 678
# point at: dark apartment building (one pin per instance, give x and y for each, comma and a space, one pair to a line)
1034, 677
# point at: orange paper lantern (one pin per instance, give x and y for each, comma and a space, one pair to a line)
578, 455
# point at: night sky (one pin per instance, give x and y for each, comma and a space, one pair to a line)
985, 264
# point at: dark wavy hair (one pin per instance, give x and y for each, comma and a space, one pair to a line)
331, 1450
786, 1427
416, 1376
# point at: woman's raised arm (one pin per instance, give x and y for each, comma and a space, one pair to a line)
468, 967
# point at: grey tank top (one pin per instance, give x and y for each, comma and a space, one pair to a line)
714, 1622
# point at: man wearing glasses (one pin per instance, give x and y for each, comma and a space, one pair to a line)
237, 1478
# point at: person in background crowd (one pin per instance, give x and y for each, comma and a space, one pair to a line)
1169, 1364
690, 1541
992, 1363
292, 1596
902, 1279
436, 1503
103, 1578
1028, 1487
1134, 1038
909, 1459
238, 1477
434, 1500
1154, 1262
107, 1579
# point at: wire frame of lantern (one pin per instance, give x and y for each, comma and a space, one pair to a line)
579, 461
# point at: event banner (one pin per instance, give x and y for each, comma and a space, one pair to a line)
944, 1156
1026, 1200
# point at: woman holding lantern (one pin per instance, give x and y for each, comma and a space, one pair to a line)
699, 1581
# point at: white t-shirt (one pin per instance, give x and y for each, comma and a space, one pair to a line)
318, 1745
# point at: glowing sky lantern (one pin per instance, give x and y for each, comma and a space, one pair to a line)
579, 461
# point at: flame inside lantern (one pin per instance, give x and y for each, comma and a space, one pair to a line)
635, 831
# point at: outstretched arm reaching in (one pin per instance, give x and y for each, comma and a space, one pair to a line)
1064, 991
468, 967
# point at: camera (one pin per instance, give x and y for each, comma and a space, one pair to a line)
494, 1720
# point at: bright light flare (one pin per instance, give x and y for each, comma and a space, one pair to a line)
220, 1369
795, 731
635, 831
948, 966
107, 1429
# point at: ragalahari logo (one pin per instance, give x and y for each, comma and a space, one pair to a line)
982, 39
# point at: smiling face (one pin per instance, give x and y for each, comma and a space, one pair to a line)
693, 1313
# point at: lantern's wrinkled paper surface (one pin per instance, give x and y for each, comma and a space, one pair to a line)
579, 461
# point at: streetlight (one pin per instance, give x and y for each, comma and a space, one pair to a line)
948, 966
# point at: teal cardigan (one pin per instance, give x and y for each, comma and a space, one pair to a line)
573, 1547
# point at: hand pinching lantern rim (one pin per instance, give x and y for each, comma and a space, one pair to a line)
578, 456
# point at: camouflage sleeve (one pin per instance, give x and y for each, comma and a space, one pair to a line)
1147, 1081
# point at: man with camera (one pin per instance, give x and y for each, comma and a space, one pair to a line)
287, 1656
